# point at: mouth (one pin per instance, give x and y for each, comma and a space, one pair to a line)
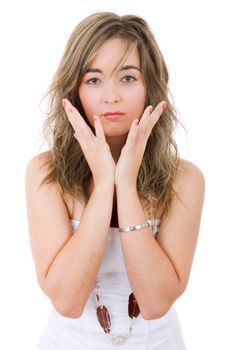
113, 115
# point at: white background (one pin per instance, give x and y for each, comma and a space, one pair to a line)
196, 40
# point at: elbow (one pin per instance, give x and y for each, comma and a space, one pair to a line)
67, 311
63, 303
65, 308
154, 314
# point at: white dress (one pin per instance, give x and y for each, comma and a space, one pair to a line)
63, 333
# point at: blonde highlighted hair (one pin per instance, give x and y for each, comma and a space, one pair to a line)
68, 165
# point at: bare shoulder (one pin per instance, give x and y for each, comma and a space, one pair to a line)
37, 165
188, 174
187, 166
37, 169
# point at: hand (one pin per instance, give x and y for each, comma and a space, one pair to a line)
131, 156
95, 148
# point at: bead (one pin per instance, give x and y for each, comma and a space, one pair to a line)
133, 308
104, 318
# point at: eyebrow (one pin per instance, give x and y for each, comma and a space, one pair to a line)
96, 70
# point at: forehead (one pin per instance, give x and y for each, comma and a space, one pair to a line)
111, 53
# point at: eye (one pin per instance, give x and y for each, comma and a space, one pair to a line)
92, 81
129, 78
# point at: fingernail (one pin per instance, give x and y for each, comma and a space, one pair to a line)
95, 119
71, 109
63, 103
164, 105
151, 109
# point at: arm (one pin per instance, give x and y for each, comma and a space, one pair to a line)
159, 269
66, 263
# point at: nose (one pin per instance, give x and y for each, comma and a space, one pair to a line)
111, 93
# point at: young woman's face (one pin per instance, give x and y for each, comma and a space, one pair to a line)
124, 92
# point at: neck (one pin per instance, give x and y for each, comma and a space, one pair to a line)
116, 144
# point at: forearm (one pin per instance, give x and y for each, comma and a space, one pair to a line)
151, 273
73, 271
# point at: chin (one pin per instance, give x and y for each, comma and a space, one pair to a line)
115, 130
115, 133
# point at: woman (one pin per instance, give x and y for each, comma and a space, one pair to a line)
113, 212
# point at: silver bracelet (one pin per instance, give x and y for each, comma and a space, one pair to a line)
134, 228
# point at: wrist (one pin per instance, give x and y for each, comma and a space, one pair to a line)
126, 185
106, 184
126, 189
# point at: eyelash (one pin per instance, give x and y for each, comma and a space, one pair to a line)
90, 81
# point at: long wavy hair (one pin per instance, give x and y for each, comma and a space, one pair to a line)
67, 165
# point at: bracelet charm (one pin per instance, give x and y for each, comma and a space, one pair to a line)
134, 228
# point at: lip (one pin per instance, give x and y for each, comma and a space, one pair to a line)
113, 115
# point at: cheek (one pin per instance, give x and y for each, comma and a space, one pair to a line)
137, 100
89, 103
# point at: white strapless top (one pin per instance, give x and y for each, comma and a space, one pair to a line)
65, 333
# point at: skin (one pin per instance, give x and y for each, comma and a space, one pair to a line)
66, 263
124, 91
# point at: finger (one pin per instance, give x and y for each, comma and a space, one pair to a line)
70, 112
75, 118
149, 120
133, 131
157, 112
99, 128
145, 117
